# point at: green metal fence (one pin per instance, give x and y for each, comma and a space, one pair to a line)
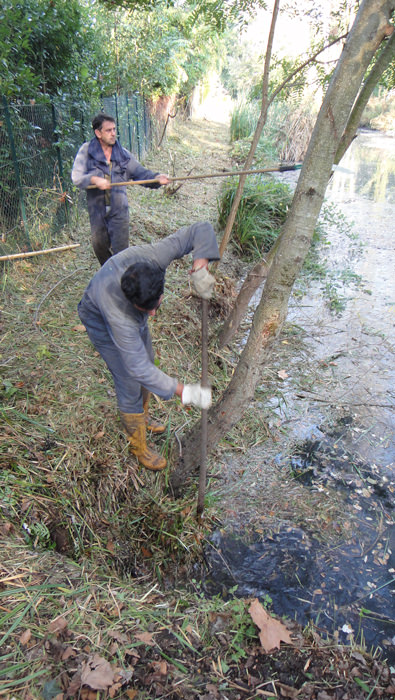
38, 143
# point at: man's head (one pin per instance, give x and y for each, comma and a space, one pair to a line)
143, 284
104, 127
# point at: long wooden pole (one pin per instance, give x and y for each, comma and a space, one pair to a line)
274, 169
30, 254
204, 417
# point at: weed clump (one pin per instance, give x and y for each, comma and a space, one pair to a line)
261, 213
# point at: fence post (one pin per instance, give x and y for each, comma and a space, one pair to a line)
16, 168
136, 112
146, 142
59, 156
117, 116
129, 126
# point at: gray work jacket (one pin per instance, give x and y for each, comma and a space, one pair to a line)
127, 325
90, 160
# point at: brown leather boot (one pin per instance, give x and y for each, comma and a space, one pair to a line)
151, 424
134, 424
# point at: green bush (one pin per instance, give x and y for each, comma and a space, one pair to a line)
243, 120
260, 215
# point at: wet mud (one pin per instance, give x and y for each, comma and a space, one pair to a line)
308, 516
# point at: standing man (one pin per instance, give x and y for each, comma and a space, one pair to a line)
100, 162
115, 309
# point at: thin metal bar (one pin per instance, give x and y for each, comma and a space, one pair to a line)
117, 116
60, 164
136, 112
129, 126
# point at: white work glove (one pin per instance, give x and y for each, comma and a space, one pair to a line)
202, 283
196, 395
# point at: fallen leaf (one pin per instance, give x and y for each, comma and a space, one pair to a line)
68, 654
131, 694
57, 625
272, 631
51, 690
287, 691
6, 528
114, 689
120, 637
282, 374
145, 637
99, 435
97, 673
25, 637
79, 327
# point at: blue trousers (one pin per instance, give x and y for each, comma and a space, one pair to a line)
129, 391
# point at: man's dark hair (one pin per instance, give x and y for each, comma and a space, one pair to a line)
143, 284
97, 121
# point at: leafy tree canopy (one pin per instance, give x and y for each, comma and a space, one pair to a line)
215, 13
45, 46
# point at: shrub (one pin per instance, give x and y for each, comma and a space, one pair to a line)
285, 136
243, 120
260, 215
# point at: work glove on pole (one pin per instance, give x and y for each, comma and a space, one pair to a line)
202, 283
197, 395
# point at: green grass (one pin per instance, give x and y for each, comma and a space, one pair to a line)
262, 211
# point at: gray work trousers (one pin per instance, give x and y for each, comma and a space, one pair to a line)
128, 390
109, 231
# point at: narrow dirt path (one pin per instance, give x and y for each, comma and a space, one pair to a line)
191, 148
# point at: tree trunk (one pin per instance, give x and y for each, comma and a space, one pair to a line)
258, 131
252, 282
371, 25
370, 83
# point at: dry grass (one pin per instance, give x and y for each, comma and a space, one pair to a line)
69, 472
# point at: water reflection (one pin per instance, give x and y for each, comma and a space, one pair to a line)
371, 162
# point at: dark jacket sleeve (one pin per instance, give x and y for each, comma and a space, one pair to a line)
136, 171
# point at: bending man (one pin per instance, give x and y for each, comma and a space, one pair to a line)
101, 162
115, 309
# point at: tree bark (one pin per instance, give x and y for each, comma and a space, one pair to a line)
370, 83
252, 282
258, 131
371, 25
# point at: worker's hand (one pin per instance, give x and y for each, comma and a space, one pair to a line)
202, 283
163, 179
196, 395
100, 182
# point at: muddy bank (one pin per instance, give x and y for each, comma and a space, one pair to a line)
308, 518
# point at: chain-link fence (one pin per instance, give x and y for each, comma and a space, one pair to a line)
38, 143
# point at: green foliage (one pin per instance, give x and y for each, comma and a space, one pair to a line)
160, 52
262, 211
280, 69
286, 134
44, 47
244, 120
82, 51
16, 77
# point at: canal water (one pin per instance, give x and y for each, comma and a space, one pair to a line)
308, 513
